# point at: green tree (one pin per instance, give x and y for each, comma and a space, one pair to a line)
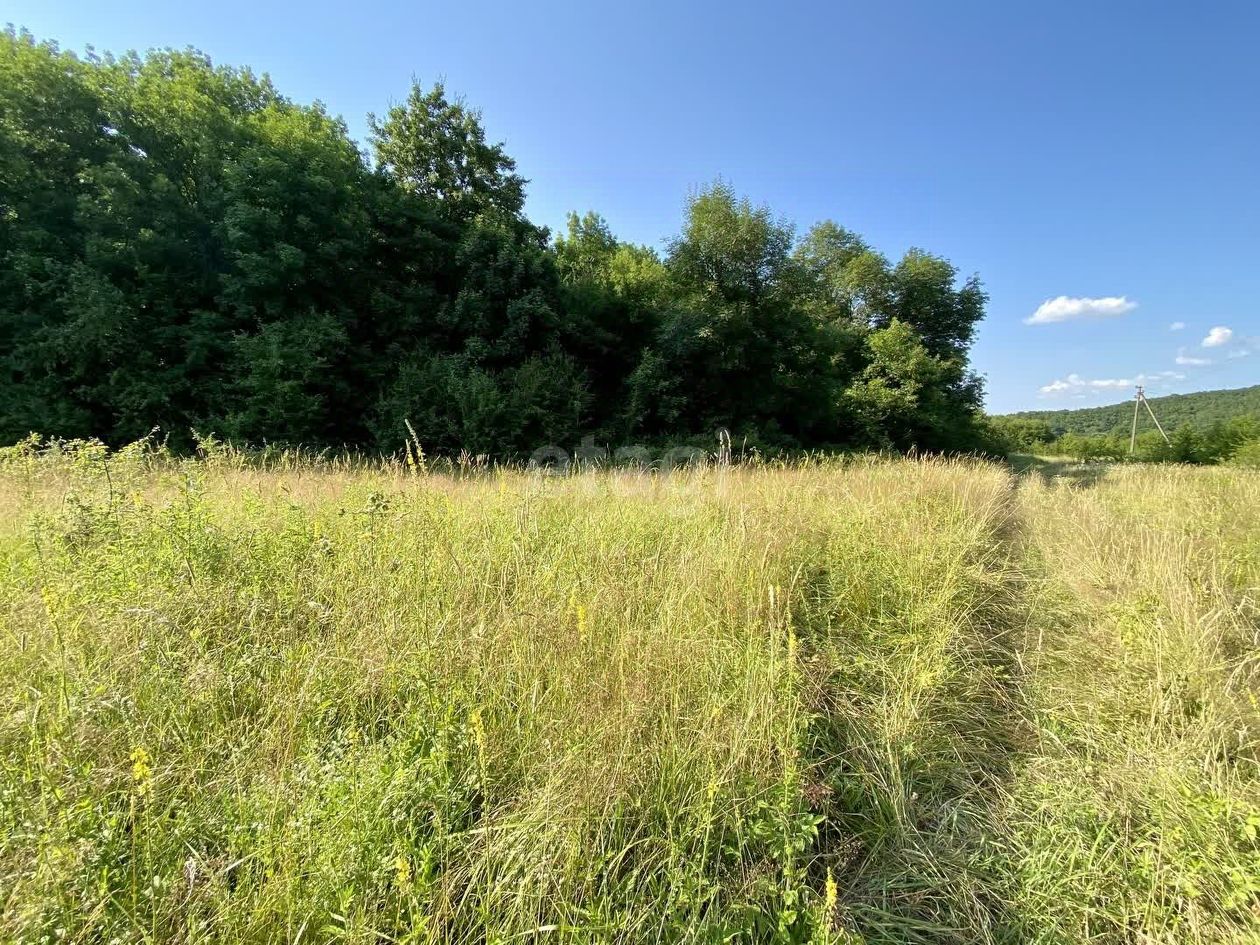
52, 129
847, 279
612, 297
1185, 446
1022, 435
182, 246
207, 211
907, 397
1223, 438
437, 149
924, 296
853, 283
1247, 454
738, 336
1201, 410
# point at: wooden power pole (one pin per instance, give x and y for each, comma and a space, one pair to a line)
1138, 402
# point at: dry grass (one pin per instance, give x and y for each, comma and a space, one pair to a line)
1135, 816
871, 700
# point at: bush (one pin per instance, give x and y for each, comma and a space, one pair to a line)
1247, 455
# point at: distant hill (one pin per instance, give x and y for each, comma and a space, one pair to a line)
1199, 410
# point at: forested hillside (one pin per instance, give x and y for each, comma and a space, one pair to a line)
1199, 410
1209, 427
183, 247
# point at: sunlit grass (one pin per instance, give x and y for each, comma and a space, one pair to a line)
864, 700
1135, 815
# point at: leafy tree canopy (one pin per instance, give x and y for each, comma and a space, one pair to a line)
182, 246
437, 150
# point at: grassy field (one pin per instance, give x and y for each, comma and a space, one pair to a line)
862, 701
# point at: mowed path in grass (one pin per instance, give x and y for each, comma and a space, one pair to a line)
837, 701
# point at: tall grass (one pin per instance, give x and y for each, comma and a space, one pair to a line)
835, 701
1135, 816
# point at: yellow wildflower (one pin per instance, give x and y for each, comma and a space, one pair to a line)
578, 610
402, 870
141, 772
49, 597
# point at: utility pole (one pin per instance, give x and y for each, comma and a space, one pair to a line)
1138, 402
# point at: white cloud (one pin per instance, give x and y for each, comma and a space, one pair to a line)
1220, 335
1076, 384
1188, 361
1176, 326
1239, 353
1065, 309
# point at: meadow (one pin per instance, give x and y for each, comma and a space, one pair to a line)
847, 700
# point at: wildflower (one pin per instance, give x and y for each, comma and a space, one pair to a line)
402, 870
579, 612
141, 772
825, 932
49, 597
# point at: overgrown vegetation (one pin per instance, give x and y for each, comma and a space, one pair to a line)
183, 247
876, 701
1209, 427
1235, 439
1201, 410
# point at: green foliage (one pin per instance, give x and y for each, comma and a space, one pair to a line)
211, 223
1247, 454
1200, 410
751, 356
1221, 443
182, 246
908, 397
1021, 435
857, 285
1220, 425
437, 150
1086, 448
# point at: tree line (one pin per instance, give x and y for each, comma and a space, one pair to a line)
1200, 410
1234, 440
184, 247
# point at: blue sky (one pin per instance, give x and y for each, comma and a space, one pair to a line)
1107, 153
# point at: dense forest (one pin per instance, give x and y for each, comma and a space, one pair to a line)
1206, 427
183, 247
